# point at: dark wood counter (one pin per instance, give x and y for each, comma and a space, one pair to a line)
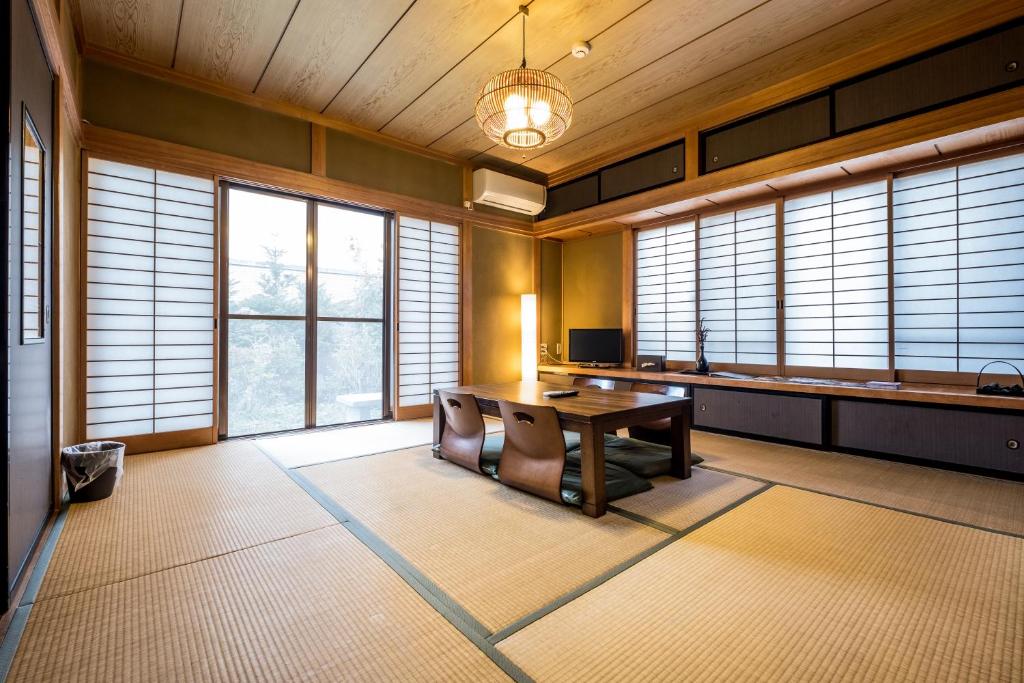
945, 394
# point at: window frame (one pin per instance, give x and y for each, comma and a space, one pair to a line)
200, 436
779, 197
310, 316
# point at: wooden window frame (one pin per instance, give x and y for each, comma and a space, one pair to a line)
464, 307
202, 436
781, 369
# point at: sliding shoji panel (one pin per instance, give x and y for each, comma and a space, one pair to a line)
837, 278
150, 288
737, 285
666, 305
958, 248
428, 309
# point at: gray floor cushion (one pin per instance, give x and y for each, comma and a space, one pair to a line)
618, 483
491, 455
642, 458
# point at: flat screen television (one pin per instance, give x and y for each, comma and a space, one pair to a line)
602, 346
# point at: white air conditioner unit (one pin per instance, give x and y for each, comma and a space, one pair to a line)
505, 192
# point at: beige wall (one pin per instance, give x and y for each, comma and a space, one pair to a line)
592, 283
502, 270
551, 294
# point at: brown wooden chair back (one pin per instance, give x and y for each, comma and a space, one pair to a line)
534, 454
658, 431
464, 433
594, 382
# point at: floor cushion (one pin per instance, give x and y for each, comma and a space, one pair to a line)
618, 482
642, 458
491, 454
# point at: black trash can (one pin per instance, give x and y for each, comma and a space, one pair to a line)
92, 469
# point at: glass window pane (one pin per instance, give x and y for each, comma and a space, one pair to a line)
266, 376
349, 377
350, 263
266, 254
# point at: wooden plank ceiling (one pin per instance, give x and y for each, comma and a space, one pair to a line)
411, 69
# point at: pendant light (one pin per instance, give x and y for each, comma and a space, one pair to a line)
524, 108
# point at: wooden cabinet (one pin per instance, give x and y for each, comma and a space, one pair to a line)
953, 73
971, 438
650, 170
785, 127
779, 416
572, 196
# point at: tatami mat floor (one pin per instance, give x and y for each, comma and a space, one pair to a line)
218, 564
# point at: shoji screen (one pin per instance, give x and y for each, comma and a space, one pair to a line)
665, 291
149, 302
958, 242
737, 285
837, 278
428, 309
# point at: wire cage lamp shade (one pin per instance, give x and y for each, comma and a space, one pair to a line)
524, 108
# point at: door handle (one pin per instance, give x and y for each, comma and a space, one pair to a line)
46, 315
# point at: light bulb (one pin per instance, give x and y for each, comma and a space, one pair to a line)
540, 112
515, 111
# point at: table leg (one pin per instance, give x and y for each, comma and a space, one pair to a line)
681, 445
592, 457
439, 421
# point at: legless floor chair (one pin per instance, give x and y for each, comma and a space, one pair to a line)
465, 440
534, 458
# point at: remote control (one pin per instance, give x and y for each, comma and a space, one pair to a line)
560, 394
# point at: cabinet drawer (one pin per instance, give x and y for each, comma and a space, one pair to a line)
794, 418
961, 437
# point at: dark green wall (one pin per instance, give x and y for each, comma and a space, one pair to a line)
358, 160
129, 102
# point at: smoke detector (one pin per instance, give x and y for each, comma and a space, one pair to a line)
580, 49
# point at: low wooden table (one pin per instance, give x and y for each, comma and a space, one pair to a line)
592, 413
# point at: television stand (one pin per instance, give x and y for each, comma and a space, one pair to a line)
597, 365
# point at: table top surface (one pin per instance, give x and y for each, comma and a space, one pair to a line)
589, 403
909, 392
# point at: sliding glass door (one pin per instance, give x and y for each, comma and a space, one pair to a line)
306, 330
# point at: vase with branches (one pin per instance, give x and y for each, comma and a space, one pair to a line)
703, 366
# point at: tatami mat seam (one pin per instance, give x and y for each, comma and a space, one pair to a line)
642, 519
597, 581
454, 613
349, 457
860, 500
183, 564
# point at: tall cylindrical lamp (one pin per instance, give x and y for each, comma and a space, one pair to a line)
528, 320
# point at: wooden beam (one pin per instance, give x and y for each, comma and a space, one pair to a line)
48, 23
628, 293
318, 150
133, 148
992, 120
